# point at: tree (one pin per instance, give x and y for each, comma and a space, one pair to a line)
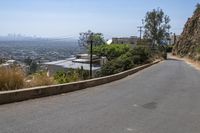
33, 66
88, 40
157, 27
2, 61
28, 61
197, 9
111, 51
86, 37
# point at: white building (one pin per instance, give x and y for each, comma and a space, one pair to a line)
78, 62
8, 64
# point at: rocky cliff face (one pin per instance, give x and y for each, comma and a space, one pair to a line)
189, 41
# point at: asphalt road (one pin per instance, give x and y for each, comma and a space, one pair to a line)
164, 98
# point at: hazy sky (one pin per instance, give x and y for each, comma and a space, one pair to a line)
63, 18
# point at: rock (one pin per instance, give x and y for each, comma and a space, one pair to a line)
189, 41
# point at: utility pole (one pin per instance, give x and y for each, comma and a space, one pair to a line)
140, 30
91, 54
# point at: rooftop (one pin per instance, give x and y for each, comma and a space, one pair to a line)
73, 65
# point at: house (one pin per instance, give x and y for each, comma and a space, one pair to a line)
80, 61
125, 40
9, 63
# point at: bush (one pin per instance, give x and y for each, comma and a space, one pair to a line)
112, 51
136, 56
140, 54
66, 77
83, 74
118, 65
11, 79
40, 79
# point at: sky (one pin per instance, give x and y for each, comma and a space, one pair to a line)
67, 18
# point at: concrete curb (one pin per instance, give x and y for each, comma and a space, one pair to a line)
44, 91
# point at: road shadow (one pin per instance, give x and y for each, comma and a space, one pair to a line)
151, 105
173, 59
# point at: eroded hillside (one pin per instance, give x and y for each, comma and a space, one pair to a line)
189, 42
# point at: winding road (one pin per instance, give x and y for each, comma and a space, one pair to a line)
164, 98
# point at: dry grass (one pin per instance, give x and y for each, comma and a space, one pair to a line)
14, 78
11, 79
40, 79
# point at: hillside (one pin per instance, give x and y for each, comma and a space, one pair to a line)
189, 42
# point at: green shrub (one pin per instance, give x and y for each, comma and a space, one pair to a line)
112, 51
11, 79
83, 74
140, 54
71, 75
118, 65
136, 56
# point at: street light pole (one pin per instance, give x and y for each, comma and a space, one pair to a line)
91, 54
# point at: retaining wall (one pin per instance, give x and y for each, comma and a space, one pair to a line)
37, 92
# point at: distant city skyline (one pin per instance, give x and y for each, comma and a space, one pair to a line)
67, 18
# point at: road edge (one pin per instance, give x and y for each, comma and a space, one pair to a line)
193, 63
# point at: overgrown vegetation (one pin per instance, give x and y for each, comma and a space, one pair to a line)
71, 76
14, 78
133, 57
11, 79
40, 79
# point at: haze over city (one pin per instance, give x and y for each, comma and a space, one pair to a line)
66, 18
